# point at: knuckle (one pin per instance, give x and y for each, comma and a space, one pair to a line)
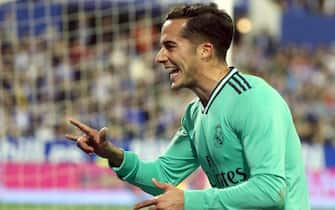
78, 142
83, 138
157, 199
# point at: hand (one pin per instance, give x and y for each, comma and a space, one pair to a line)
95, 141
172, 199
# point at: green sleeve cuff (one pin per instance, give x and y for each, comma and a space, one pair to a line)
128, 165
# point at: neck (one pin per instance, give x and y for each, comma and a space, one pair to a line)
209, 79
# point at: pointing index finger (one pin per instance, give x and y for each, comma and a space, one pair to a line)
84, 128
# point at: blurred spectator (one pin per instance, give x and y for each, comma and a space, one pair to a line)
7, 27
316, 7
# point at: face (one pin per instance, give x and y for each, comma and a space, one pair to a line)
177, 55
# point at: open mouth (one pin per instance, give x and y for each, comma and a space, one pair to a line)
174, 74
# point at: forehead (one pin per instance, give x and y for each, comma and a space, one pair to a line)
171, 29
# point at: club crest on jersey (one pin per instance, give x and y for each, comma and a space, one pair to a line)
218, 135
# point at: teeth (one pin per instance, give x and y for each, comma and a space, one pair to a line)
173, 71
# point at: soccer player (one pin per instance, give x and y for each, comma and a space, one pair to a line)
238, 129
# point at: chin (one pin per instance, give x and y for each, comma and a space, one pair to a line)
174, 86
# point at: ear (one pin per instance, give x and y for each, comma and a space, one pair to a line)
205, 51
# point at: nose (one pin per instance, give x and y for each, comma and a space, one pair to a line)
161, 56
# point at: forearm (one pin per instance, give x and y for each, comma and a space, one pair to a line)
115, 155
135, 172
167, 169
261, 191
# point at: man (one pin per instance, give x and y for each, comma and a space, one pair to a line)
239, 129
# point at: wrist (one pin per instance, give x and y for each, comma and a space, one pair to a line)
115, 156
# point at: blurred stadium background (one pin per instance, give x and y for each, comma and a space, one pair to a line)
93, 60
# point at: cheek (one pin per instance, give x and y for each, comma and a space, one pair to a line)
187, 62
192, 65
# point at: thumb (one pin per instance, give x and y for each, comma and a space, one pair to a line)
161, 185
102, 133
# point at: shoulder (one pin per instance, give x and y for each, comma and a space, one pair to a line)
261, 102
258, 94
240, 87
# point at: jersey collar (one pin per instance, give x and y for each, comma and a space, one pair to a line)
218, 88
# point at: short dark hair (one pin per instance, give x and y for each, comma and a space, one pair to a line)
206, 23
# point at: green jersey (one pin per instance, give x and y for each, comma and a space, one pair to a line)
246, 143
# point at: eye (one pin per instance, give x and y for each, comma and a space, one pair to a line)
169, 45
